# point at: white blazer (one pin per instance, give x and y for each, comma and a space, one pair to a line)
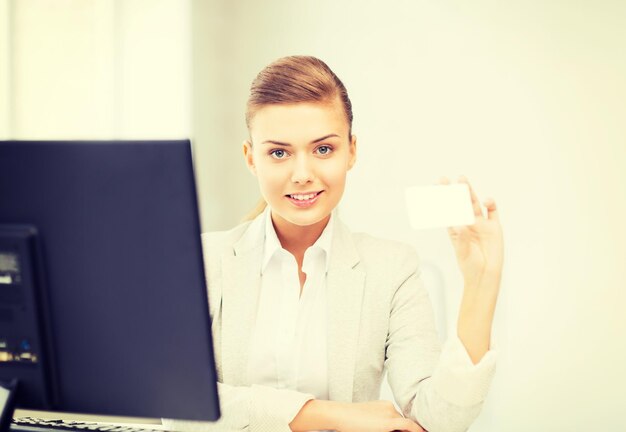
379, 319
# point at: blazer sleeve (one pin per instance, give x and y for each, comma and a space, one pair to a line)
253, 408
434, 388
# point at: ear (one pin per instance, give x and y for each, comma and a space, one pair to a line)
247, 154
352, 151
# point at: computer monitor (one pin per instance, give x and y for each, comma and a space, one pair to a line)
103, 302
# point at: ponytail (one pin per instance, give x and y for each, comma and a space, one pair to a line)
257, 210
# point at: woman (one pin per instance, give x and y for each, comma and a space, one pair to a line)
306, 315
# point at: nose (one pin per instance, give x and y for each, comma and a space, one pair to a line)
302, 170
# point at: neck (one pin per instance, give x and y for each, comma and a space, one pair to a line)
296, 239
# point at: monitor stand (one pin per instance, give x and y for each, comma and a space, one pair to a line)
8, 392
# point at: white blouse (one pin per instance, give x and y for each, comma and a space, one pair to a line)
288, 348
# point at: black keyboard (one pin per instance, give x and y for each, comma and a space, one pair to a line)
31, 424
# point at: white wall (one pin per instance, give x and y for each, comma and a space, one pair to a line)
526, 98
91, 69
5, 55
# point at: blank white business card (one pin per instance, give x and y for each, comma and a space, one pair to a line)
437, 206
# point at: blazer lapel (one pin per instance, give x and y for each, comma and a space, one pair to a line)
345, 285
241, 272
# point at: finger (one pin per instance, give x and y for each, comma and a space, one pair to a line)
454, 231
443, 181
492, 210
478, 212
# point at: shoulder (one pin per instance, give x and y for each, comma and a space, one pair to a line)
381, 255
215, 243
390, 267
225, 238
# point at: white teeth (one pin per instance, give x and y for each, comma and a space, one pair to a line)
303, 197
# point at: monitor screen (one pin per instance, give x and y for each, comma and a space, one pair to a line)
103, 302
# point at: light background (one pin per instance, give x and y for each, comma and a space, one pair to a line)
526, 98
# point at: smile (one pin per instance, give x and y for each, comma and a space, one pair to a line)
304, 200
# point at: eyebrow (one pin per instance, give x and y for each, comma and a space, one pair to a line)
289, 145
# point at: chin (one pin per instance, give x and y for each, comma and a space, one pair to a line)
304, 220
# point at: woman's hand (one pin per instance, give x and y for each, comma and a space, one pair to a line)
479, 247
480, 254
375, 416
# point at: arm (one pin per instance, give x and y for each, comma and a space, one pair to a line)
479, 250
476, 315
254, 408
452, 397
430, 385
375, 416
265, 409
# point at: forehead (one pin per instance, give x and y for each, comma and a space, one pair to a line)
300, 122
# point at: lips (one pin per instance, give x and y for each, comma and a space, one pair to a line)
304, 200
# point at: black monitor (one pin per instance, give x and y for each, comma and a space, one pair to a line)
103, 302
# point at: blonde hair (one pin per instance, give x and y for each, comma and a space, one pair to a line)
291, 80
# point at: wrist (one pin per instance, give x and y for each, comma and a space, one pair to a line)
317, 414
489, 280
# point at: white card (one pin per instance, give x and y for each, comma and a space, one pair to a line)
437, 206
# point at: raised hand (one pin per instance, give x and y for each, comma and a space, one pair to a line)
480, 254
479, 248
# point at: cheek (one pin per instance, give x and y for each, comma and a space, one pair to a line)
333, 172
270, 175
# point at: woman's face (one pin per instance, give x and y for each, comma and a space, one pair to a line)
300, 154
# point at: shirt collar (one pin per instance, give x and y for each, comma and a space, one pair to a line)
272, 244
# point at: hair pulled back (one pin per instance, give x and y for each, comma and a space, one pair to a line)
291, 80
295, 79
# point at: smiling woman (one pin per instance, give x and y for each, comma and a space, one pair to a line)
307, 316
289, 84
303, 154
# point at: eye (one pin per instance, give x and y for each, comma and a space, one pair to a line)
324, 150
278, 153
